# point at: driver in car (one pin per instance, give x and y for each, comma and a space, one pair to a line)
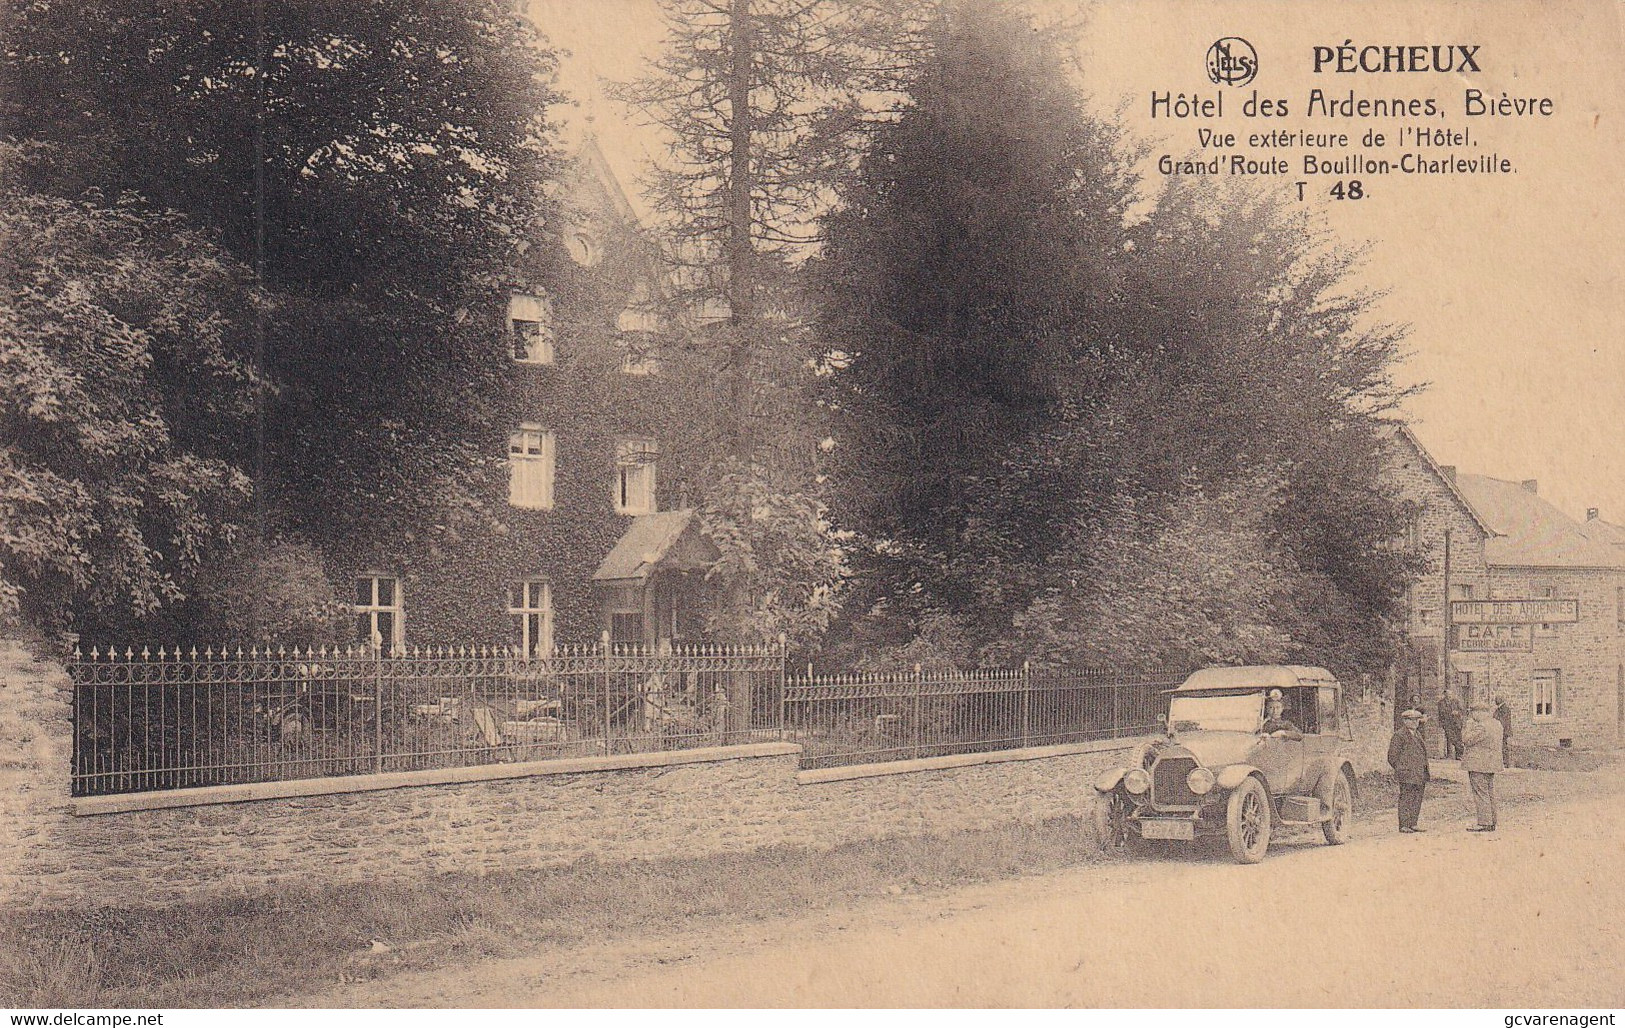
1275, 725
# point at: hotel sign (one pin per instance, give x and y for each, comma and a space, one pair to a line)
1514, 612
1493, 638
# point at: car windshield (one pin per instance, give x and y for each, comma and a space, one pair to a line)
1243, 713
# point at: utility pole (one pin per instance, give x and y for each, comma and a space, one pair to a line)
1444, 650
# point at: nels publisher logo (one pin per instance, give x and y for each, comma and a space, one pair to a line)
1232, 61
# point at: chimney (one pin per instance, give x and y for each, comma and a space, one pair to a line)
1449, 472
1592, 513
1531, 485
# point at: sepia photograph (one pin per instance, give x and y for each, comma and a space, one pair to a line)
877, 505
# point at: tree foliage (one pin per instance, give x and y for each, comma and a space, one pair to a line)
126, 398
1057, 392
379, 165
781, 567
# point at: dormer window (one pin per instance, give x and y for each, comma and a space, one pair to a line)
530, 328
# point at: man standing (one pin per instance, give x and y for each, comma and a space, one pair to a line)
1481, 760
1408, 756
1503, 714
1450, 724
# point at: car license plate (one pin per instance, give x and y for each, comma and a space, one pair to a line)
1167, 830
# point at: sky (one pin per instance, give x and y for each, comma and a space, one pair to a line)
1513, 285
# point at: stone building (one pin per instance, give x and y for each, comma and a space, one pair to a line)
577, 464
1514, 557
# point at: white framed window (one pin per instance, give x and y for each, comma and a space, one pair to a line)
530, 602
634, 484
1546, 694
530, 328
530, 467
380, 613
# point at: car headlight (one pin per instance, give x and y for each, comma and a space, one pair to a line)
1137, 781
1200, 781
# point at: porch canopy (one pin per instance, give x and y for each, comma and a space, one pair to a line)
668, 541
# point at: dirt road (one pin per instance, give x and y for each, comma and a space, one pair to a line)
1527, 917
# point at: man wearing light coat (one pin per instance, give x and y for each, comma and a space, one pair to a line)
1482, 737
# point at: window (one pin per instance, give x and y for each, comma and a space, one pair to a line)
1329, 722
530, 324
530, 467
1547, 695
637, 340
379, 618
1547, 630
1464, 687
1461, 592
635, 476
530, 601
1412, 540
584, 248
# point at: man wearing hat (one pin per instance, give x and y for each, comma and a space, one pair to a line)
1408, 756
1482, 737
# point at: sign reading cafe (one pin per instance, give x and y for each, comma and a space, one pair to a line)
1492, 638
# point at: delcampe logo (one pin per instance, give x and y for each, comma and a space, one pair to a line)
1231, 61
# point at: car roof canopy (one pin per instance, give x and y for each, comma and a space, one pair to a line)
1252, 679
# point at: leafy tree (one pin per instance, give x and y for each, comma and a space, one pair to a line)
781, 567
126, 398
380, 166
1039, 367
260, 594
1200, 582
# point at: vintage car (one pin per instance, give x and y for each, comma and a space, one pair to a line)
1217, 771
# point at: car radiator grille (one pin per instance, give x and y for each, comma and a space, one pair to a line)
1168, 788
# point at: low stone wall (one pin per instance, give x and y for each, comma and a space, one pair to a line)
57, 851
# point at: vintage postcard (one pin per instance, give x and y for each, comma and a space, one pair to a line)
734, 504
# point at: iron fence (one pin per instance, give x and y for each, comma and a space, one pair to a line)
145, 721
857, 719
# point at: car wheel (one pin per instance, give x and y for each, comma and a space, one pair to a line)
1110, 815
1247, 821
1336, 829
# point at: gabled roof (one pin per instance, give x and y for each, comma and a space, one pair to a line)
591, 159
1600, 531
668, 541
1530, 532
1403, 431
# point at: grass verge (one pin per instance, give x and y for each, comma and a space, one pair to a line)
256, 952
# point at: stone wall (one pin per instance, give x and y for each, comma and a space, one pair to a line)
1417, 479
1589, 657
55, 851
35, 749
